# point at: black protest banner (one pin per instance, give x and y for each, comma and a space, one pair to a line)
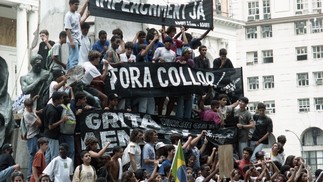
197, 14
115, 127
171, 79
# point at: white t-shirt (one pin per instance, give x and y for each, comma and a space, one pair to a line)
56, 52
72, 22
124, 58
84, 50
30, 119
60, 169
91, 72
132, 148
201, 178
167, 55
52, 90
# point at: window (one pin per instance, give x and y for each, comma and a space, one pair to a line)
252, 58
252, 107
316, 25
253, 11
302, 79
301, 5
270, 107
317, 52
266, 31
318, 103
253, 83
304, 105
301, 53
300, 27
268, 56
317, 5
266, 8
313, 141
269, 82
318, 76
251, 32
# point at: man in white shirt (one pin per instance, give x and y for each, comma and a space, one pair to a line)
93, 76
61, 167
132, 153
85, 46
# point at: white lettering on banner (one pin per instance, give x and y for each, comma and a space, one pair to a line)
171, 78
197, 11
192, 77
160, 79
93, 121
134, 8
201, 78
185, 82
124, 77
135, 74
223, 74
142, 10
171, 11
147, 78
209, 78
123, 6
116, 137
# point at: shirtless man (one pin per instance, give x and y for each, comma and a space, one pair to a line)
113, 165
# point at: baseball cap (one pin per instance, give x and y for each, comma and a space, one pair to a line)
6, 146
159, 145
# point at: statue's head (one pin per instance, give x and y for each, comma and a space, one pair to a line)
4, 74
36, 63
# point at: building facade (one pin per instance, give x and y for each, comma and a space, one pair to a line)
281, 52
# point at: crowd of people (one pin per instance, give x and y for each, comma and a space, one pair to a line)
52, 131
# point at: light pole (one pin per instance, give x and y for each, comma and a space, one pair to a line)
300, 141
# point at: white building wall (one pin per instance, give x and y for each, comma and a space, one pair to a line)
284, 69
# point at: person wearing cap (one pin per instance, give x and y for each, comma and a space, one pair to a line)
132, 153
36, 81
6, 160
52, 121
244, 125
113, 100
165, 55
177, 44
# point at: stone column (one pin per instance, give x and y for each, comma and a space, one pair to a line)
32, 28
22, 44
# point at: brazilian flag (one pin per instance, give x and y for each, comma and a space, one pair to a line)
178, 165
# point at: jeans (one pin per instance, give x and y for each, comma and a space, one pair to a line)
32, 149
52, 151
255, 149
184, 106
69, 139
6, 173
73, 55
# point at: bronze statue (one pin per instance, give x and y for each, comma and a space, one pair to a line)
6, 117
36, 82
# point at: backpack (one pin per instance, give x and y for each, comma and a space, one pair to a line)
80, 170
